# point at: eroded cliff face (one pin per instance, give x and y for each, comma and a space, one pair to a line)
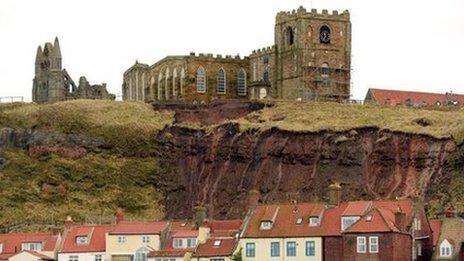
219, 167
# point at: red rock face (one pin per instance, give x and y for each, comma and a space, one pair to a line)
217, 169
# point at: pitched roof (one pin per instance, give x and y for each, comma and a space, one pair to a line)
435, 225
176, 229
224, 228
356, 208
393, 97
12, 242
225, 247
95, 234
377, 220
138, 228
285, 222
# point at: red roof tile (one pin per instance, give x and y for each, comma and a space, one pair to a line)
216, 225
435, 225
170, 252
138, 228
209, 249
285, 224
393, 97
356, 208
96, 238
184, 233
12, 242
376, 220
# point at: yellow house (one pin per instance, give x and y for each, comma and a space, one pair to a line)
133, 240
283, 232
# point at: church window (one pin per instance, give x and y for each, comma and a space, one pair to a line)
266, 74
221, 81
324, 34
201, 80
290, 36
241, 83
255, 71
266, 59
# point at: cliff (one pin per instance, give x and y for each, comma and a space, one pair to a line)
85, 158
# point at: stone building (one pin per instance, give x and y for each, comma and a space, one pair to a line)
310, 60
51, 83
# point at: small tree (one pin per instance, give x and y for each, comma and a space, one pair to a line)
237, 255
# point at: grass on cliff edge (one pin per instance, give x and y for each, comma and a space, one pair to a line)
129, 126
313, 117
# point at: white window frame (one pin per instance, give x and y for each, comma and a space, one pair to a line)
178, 243
191, 242
73, 258
275, 252
446, 249
82, 240
419, 249
201, 80
374, 244
266, 225
361, 245
221, 81
32, 246
250, 249
314, 221
122, 239
240, 81
145, 239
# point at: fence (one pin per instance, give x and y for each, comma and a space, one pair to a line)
11, 99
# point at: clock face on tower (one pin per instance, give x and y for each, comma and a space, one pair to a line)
325, 35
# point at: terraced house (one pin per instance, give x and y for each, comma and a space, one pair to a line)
310, 60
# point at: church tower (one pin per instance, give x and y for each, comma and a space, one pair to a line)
313, 57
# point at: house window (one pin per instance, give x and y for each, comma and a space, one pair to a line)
313, 221
266, 225
73, 258
266, 59
221, 81
291, 248
141, 254
417, 224
250, 250
373, 244
419, 249
241, 83
275, 249
32, 246
201, 80
217, 243
81, 240
348, 221
178, 243
361, 244
98, 258
145, 239
191, 242
446, 249
121, 239
310, 248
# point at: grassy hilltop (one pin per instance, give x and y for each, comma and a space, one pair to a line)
46, 189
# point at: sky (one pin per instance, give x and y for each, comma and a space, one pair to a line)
407, 45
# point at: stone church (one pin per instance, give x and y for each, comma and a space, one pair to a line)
310, 60
52, 83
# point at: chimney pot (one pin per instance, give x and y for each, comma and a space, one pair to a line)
335, 194
200, 215
253, 198
119, 215
68, 223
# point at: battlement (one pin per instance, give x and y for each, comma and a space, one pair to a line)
314, 13
218, 56
262, 51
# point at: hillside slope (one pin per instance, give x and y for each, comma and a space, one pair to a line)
85, 158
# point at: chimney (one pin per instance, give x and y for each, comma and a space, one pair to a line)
335, 194
400, 219
68, 223
253, 199
119, 215
55, 231
200, 216
451, 212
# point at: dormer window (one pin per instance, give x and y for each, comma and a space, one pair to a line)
299, 221
314, 221
266, 225
82, 240
32, 246
446, 249
217, 243
348, 221
369, 217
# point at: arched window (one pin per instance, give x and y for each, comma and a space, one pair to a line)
182, 77
167, 85
174, 83
255, 71
290, 35
266, 74
221, 81
201, 80
241, 82
160, 86
324, 34
325, 70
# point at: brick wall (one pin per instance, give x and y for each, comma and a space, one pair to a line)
392, 246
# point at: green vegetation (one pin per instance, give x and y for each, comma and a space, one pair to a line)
44, 191
129, 126
313, 117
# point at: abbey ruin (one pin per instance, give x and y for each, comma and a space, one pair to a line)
52, 83
310, 60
